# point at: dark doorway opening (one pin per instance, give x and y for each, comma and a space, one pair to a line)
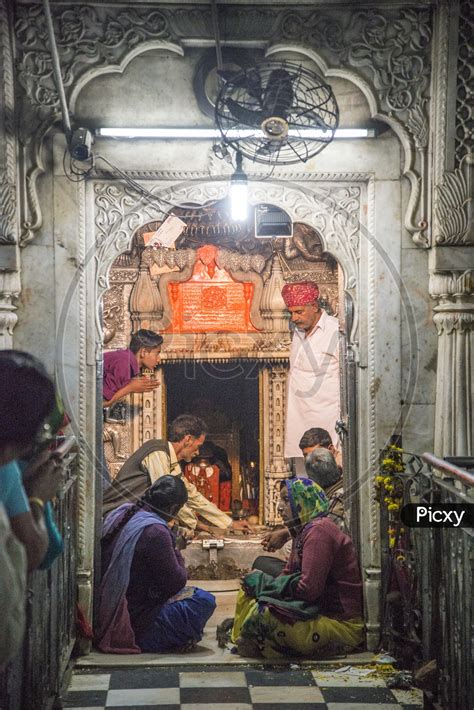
226, 396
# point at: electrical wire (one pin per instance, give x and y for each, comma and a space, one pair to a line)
76, 173
267, 177
217, 36
150, 196
72, 171
57, 70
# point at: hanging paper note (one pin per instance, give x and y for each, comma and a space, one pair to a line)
166, 234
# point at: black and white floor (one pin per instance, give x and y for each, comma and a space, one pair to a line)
231, 688
212, 678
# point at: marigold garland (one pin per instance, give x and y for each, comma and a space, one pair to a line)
389, 488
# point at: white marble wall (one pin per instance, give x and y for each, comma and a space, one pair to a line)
57, 323
59, 289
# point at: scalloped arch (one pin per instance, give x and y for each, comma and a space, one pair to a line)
302, 203
396, 126
122, 65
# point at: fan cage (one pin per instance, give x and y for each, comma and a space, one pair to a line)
312, 118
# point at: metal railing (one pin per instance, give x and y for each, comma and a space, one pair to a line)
428, 582
33, 679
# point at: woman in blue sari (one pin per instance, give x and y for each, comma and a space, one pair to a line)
144, 603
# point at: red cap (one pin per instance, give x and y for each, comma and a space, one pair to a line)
300, 293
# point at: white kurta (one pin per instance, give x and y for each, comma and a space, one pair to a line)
313, 397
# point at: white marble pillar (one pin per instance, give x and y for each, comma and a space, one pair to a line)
9, 254
454, 320
274, 396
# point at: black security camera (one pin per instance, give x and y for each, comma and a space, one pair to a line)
80, 144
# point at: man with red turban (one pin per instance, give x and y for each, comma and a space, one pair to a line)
313, 384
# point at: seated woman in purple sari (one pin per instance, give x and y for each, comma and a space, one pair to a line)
144, 605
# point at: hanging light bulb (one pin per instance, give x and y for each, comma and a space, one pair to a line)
238, 192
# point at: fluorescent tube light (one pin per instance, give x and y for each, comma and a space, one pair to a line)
158, 132
213, 134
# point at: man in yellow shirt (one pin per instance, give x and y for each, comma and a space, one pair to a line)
159, 457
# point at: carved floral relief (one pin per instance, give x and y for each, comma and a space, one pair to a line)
453, 205
387, 52
391, 47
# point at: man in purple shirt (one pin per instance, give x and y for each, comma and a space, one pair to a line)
122, 367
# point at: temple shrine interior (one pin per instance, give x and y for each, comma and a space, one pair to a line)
325, 141
215, 296
225, 395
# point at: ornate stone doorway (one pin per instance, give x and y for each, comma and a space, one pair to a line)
226, 396
216, 298
132, 283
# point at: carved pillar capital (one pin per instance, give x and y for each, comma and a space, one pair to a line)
454, 321
453, 293
9, 290
449, 321
451, 285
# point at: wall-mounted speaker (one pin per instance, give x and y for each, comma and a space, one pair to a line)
272, 222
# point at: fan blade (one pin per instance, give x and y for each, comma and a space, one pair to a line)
249, 81
253, 84
268, 148
318, 121
244, 115
278, 94
312, 120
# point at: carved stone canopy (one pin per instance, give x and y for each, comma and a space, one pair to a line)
151, 281
211, 224
328, 217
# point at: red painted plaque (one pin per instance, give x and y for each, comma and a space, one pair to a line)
211, 300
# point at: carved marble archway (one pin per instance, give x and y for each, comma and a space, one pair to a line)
334, 213
331, 204
381, 45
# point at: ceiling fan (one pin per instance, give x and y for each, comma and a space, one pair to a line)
276, 112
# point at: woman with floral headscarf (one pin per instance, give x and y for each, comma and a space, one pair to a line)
314, 608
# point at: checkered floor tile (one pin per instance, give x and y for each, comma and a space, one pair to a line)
217, 688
